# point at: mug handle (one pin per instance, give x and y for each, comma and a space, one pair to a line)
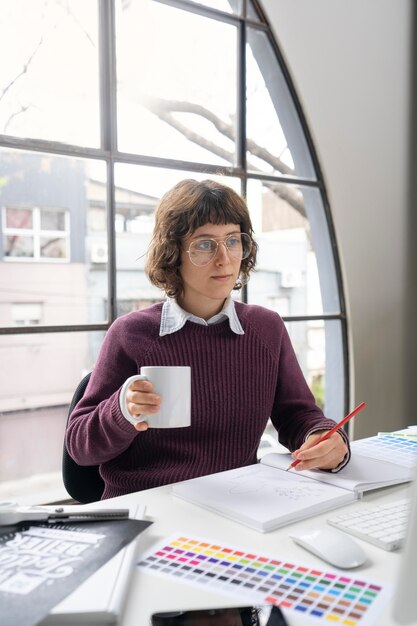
126, 414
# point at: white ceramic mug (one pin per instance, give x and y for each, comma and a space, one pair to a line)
173, 384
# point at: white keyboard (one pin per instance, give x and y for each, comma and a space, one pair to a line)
382, 525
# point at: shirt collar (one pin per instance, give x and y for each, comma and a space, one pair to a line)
173, 317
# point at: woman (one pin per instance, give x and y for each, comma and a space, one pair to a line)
243, 366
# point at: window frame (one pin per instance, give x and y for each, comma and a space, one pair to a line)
111, 156
36, 232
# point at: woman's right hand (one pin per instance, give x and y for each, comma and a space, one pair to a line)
140, 400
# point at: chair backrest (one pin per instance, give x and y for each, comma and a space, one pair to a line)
83, 482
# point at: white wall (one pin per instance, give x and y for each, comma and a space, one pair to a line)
350, 63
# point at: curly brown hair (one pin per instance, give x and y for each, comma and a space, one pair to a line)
184, 208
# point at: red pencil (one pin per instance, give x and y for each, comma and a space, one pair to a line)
335, 428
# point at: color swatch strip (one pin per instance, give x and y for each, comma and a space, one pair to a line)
337, 598
388, 448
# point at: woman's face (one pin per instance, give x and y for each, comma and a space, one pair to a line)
207, 287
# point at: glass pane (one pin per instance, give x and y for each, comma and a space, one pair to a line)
55, 260
318, 346
18, 246
52, 220
275, 139
228, 6
53, 247
19, 218
174, 107
49, 86
295, 273
144, 186
37, 411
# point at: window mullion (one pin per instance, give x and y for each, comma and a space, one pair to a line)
241, 115
108, 110
241, 97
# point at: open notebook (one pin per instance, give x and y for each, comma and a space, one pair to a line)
376, 462
265, 496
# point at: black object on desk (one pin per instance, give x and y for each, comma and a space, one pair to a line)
41, 564
239, 616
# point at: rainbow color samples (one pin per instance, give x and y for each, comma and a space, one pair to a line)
336, 597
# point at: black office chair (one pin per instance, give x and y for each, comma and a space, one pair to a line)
83, 482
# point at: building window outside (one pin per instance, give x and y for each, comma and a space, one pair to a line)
26, 313
36, 234
107, 151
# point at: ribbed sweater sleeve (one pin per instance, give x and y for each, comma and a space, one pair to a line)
97, 430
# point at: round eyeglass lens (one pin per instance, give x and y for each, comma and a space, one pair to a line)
202, 251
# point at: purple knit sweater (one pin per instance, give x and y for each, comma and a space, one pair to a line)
237, 383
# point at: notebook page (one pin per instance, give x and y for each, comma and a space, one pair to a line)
360, 474
262, 497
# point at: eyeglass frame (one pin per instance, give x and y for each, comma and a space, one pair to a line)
223, 241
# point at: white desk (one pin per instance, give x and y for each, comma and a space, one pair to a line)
152, 593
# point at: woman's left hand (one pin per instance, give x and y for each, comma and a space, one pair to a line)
325, 455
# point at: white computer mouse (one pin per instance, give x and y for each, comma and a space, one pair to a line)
331, 545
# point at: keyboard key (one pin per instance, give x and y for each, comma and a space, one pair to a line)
382, 525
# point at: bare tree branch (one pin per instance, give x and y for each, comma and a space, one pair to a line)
290, 194
196, 138
24, 69
67, 8
22, 109
160, 107
164, 110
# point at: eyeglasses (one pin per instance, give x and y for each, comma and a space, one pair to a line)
202, 251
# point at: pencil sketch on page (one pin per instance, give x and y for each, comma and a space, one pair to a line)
263, 482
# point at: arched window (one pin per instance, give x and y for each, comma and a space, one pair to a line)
104, 105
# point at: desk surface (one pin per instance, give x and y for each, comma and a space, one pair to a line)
150, 593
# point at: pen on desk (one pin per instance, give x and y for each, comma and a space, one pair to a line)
330, 432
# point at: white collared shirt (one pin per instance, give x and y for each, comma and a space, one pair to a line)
173, 317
